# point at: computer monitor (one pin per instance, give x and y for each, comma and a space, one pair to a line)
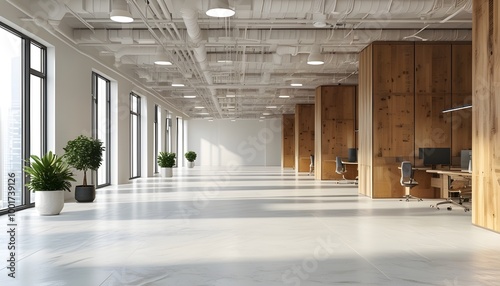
352, 155
435, 156
465, 156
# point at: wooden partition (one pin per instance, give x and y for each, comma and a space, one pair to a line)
365, 118
288, 141
304, 136
407, 86
335, 126
486, 115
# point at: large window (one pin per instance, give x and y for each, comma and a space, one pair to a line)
168, 133
135, 136
22, 113
157, 138
101, 110
180, 141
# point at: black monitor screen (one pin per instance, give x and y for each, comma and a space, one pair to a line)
435, 156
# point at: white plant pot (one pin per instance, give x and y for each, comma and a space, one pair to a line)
49, 202
190, 164
166, 172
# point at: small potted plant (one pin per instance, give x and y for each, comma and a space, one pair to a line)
190, 156
49, 176
166, 161
84, 153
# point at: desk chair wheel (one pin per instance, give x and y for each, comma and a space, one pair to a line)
449, 208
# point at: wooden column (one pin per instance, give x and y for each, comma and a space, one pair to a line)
486, 114
334, 129
288, 141
365, 118
304, 136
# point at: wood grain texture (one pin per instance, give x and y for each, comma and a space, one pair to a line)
334, 127
403, 88
288, 141
365, 118
461, 121
304, 136
486, 115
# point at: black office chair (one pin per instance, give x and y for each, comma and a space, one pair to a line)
311, 166
407, 180
455, 187
340, 167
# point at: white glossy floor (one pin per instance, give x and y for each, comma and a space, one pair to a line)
250, 226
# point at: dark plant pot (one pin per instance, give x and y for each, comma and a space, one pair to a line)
85, 194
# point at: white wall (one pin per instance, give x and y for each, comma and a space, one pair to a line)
242, 142
69, 103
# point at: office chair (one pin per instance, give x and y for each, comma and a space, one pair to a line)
340, 167
407, 180
341, 170
311, 166
455, 186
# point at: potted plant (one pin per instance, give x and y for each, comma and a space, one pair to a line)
166, 161
190, 156
50, 176
84, 153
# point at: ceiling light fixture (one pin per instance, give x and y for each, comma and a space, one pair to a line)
271, 106
120, 13
189, 96
315, 57
295, 83
199, 107
177, 83
284, 96
161, 58
266, 113
319, 20
230, 95
219, 8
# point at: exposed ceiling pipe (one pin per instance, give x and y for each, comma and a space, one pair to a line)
190, 18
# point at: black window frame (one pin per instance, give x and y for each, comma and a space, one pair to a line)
138, 143
96, 125
26, 73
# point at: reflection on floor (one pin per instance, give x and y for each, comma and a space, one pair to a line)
249, 226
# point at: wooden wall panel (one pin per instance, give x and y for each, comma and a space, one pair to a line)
486, 115
432, 68
403, 88
393, 69
433, 80
461, 120
288, 141
365, 118
461, 68
304, 136
335, 127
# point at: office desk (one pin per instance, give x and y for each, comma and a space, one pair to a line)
331, 165
443, 182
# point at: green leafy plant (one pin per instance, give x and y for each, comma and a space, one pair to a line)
49, 173
166, 159
84, 153
190, 156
